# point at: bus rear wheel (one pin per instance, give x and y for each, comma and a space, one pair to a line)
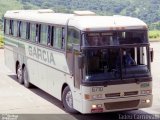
25, 78
19, 74
67, 100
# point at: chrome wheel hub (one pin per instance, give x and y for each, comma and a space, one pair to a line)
19, 73
25, 77
69, 99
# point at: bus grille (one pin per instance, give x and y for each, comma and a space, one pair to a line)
130, 93
121, 105
113, 95
123, 94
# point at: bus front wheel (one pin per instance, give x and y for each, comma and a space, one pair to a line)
25, 77
67, 100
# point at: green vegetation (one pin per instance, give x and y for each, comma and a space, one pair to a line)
154, 35
8, 5
1, 41
155, 26
146, 10
13, 5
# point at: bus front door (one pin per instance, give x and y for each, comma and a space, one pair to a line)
77, 79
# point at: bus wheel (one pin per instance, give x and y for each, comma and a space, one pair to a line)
67, 100
19, 74
25, 77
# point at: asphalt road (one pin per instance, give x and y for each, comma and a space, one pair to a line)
18, 102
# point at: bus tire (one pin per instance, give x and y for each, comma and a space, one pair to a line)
25, 78
67, 100
20, 74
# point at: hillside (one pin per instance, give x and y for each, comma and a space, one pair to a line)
12, 5
147, 10
7, 5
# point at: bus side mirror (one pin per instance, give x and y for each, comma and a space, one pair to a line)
80, 62
151, 54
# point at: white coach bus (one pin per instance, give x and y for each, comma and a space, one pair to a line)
91, 63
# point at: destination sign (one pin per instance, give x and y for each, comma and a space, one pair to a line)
100, 34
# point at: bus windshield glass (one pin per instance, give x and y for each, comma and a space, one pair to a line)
116, 55
114, 38
116, 63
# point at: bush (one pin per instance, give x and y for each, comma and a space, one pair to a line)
154, 35
1, 41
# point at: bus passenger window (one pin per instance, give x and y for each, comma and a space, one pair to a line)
50, 35
7, 27
19, 28
33, 32
15, 28
63, 39
38, 33
4, 26
11, 27
27, 30
23, 30
43, 35
73, 38
58, 38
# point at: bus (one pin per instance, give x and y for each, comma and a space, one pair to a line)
91, 63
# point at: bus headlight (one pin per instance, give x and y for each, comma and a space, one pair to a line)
97, 106
146, 91
146, 101
98, 96
93, 97
94, 106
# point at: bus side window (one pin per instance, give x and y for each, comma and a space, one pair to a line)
58, 41
43, 35
73, 38
50, 36
15, 28
32, 32
19, 28
63, 39
11, 27
38, 33
7, 26
35, 32
23, 30
4, 26
27, 30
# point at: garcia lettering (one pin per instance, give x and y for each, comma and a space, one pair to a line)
41, 54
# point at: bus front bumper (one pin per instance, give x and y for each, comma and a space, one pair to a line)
116, 104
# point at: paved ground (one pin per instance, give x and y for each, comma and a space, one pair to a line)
16, 99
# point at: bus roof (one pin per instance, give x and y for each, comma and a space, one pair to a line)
82, 22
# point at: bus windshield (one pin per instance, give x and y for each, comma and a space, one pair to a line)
114, 38
122, 55
116, 63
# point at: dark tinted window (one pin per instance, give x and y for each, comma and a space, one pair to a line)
73, 37
28, 30
11, 27
50, 35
